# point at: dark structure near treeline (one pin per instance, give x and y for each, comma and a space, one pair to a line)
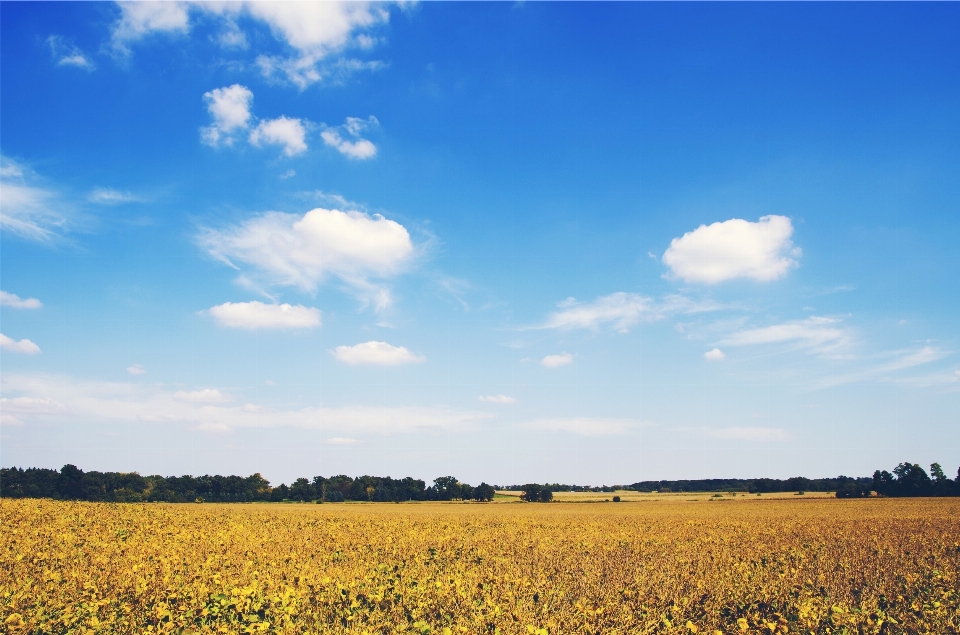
72, 483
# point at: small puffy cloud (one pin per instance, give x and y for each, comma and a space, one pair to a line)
501, 399
301, 251
136, 369
584, 426
377, 354
714, 356
230, 108
206, 395
27, 209
284, 131
67, 54
553, 361
748, 434
347, 139
257, 315
340, 441
734, 249
24, 347
14, 301
621, 311
820, 333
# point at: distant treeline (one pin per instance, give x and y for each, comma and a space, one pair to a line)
72, 483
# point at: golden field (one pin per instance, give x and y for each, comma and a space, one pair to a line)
672, 565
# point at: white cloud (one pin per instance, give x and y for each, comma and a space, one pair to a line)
301, 251
315, 31
110, 196
340, 441
584, 426
257, 315
26, 209
714, 355
205, 395
898, 361
68, 55
501, 399
733, 249
230, 108
24, 347
621, 311
136, 369
377, 354
29, 399
285, 131
748, 434
138, 19
552, 361
355, 146
14, 301
821, 333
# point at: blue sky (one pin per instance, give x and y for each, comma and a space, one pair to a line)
591, 243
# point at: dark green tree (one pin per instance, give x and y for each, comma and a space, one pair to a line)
483, 492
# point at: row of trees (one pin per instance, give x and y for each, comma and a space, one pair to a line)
72, 483
909, 479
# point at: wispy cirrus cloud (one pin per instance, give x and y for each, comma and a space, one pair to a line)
821, 334
30, 398
621, 311
29, 209
67, 54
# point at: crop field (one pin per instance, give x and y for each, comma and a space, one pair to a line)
743, 565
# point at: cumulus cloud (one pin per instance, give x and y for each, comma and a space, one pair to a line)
821, 333
584, 426
621, 311
347, 139
24, 347
284, 131
14, 301
230, 108
136, 369
313, 31
376, 354
257, 315
30, 399
67, 54
748, 434
27, 209
301, 251
715, 355
501, 399
205, 395
734, 249
553, 361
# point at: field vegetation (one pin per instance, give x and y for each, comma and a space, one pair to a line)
745, 564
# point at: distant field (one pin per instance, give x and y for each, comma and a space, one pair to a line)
631, 496
793, 564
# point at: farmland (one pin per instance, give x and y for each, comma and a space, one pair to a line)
680, 564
